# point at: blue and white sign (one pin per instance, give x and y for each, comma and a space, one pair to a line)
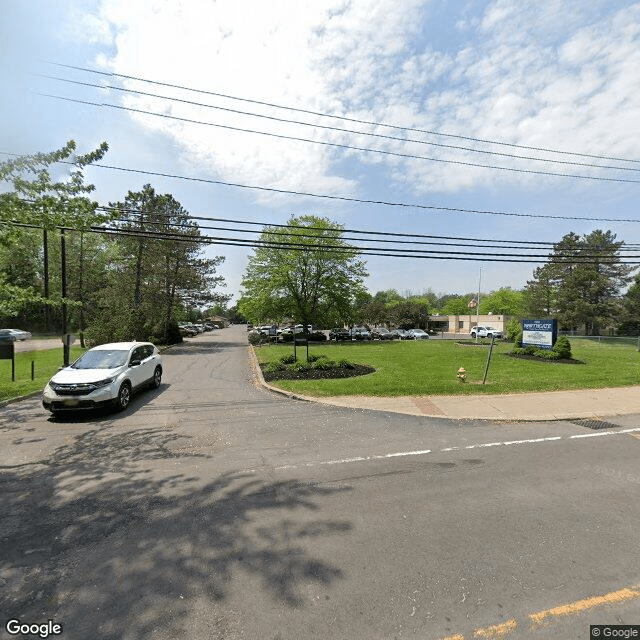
539, 333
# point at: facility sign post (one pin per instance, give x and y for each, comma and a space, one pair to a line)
539, 333
7, 352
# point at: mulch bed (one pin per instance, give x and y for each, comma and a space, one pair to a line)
560, 360
317, 374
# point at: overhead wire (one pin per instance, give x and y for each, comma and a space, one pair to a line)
333, 128
434, 239
337, 144
343, 248
325, 196
338, 117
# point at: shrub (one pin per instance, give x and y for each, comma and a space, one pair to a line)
300, 366
316, 336
529, 350
562, 347
546, 354
346, 364
272, 367
288, 359
172, 335
255, 338
513, 331
286, 337
323, 364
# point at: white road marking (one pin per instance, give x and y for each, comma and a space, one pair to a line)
422, 452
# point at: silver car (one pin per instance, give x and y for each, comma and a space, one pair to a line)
11, 335
104, 375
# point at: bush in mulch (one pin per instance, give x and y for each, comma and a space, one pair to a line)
317, 368
540, 358
561, 352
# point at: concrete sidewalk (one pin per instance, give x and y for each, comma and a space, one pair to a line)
549, 405
553, 405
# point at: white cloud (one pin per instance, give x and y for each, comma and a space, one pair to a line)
557, 74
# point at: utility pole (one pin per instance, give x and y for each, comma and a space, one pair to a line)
45, 247
63, 273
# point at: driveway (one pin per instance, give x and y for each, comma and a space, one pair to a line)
212, 508
38, 345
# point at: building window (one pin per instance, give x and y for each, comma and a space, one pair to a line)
460, 324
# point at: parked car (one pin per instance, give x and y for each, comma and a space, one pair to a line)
339, 333
268, 330
299, 328
485, 332
11, 335
380, 333
105, 375
187, 330
417, 334
359, 333
400, 334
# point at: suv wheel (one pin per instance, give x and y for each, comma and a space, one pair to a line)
124, 396
157, 377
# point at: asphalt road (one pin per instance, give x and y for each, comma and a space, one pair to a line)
213, 509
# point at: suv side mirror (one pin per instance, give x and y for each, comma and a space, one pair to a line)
135, 362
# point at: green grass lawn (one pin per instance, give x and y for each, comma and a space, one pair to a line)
429, 367
45, 362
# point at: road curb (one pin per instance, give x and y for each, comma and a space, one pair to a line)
33, 394
255, 365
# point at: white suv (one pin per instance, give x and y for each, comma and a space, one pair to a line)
485, 332
107, 374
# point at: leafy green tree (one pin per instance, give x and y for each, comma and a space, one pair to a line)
34, 198
410, 315
388, 296
505, 301
457, 305
374, 312
305, 272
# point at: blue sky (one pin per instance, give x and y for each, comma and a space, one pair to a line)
560, 74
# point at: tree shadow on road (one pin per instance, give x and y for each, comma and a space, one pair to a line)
108, 539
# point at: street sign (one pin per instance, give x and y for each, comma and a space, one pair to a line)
6, 351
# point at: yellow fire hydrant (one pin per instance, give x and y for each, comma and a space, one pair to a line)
462, 375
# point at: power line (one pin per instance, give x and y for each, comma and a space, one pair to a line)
336, 144
435, 240
345, 118
333, 128
329, 248
432, 239
343, 230
308, 194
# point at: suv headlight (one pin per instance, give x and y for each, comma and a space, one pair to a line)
102, 383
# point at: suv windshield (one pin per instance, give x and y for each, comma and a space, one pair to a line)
101, 359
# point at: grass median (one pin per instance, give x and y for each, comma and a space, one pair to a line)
45, 363
430, 367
